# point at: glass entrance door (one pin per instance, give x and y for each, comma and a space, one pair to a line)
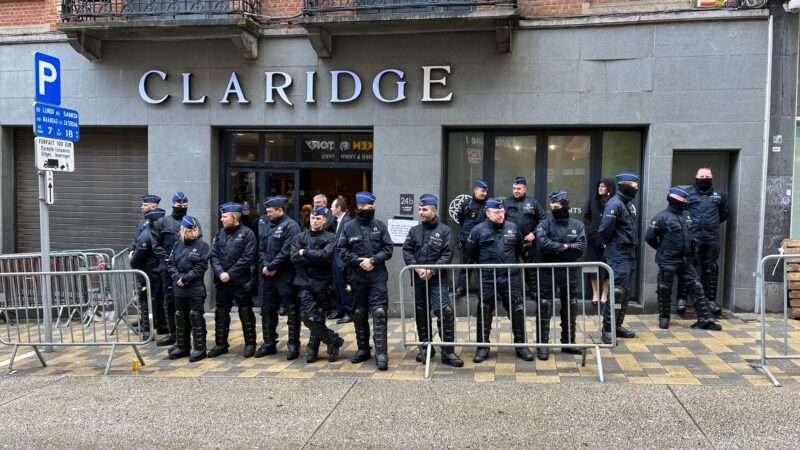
514, 156
568, 168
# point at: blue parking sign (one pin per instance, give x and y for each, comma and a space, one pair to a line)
47, 70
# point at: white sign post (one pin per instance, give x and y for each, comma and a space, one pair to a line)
54, 154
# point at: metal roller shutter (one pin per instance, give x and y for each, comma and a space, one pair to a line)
95, 206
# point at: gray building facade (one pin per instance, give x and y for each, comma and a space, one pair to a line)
660, 97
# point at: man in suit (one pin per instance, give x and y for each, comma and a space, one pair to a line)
344, 298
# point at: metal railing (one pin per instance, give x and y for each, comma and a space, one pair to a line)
90, 10
786, 330
399, 6
83, 311
511, 286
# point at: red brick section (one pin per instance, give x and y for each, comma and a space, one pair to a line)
281, 8
16, 13
544, 8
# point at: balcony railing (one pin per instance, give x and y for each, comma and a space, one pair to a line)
312, 7
94, 10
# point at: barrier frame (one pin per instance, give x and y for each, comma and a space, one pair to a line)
508, 267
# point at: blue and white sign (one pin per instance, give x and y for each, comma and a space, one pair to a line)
48, 78
56, 122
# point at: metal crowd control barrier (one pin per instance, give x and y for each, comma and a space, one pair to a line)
761, 305
122, 261
75, 296
533, 282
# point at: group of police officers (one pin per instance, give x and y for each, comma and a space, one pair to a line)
298, 268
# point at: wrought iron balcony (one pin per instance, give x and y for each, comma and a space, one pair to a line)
97, 10
372, 7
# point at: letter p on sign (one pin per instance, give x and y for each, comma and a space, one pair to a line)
48, 79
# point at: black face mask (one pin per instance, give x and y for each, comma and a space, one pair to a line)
703, 184
561, 213
628, 190
676, 206
178, 213
365, 215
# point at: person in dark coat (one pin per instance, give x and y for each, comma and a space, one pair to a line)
170, 230
365, 246
276, 232
187, 265
670, 233
527, 213
148, 256
560, 240
619, 232
592, 216
470, 213
431, 242
233, 252
149, 203
312, 256
344, 298
498, 241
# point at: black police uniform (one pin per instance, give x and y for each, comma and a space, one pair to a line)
148, 256
670, 233
619, 234
709, 209
274, 241
170, 232
559, 241
527, 214
157, 294
313, 279
188, 263
468, 216
431, 243
498, 243
368, 238
341, 278
233, 251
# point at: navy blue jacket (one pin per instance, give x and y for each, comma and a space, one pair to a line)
708, 209
233, 251
274, 244
618, 228
492, 243
525, 212
670, 233
313, 269
148, 254
370, 240
553, 234
469, 215
170, 230
428, 243
189, 261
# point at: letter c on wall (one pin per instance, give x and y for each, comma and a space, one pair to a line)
143, 87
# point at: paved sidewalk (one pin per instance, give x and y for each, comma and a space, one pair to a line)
680, 355
221, 412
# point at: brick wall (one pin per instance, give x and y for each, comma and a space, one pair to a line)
281, 8
18, 13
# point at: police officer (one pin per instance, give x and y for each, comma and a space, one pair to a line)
149, 203
312, 256
430, 242
619, 234
170, 231
670, 233
187, 265
365, 246
709, 209
148, 256
232, 252
498, 241
559, 240
470, 214
526, 212
276, 231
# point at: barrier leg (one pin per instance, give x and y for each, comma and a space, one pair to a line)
11, 361
138, 355
583, 357
110, 357
428, 352
599, 358
39, 355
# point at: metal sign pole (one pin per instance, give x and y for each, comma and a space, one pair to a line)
44, 236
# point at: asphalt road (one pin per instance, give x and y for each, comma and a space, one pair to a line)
209, 412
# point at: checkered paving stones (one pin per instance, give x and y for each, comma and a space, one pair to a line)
680, 355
